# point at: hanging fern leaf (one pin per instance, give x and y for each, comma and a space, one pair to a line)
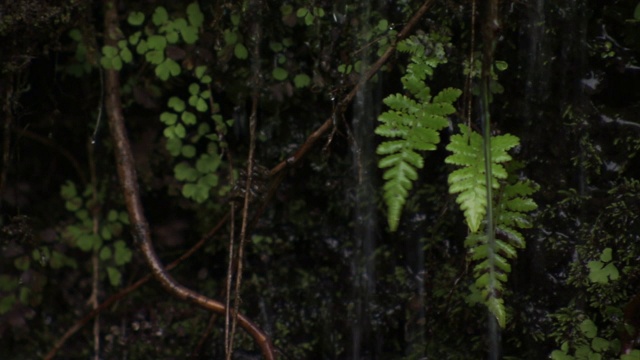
512, 204
413, 124
470, 181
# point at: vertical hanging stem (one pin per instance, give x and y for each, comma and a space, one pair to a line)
490, 31
256, 84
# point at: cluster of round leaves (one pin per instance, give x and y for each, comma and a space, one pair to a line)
233, 38
112, 250
152, 41
589, 345
183, 132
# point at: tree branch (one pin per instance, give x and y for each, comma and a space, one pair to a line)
129, 182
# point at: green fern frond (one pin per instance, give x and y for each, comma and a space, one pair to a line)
412, 123
470, 181
512, 205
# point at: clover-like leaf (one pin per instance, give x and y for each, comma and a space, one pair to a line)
301, 80
240, 51
196, 18
136, 18
160, 16
279, 73
115, 277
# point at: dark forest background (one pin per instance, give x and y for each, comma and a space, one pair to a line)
323, 276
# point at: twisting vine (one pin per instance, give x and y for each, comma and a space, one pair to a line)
128, 180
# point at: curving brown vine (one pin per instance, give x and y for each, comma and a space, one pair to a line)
128, 179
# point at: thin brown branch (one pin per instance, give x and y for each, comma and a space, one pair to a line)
129, 181
129, 289
311, 140
256, 9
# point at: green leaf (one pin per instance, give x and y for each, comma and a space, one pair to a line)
189, 118
496, 307
601, 273
208, 163
142, 47
136, 18
501, 65
302, 12
109, 51
87, 242
209, 180
636, 12
176, 104
134, 38
105, 253
105, 233
174, 146
201, 105
167, 69
168, 118
112, 216
115, 277
195, 16
560, 355
606, 255
194, 89
68, 190
185, 172
279, 73
155, 57
122, 253
188, 151
160, 16
309, 18
589, 328
599, 344
240, 51
190, 34
383, 25
157, 42
180, 131
301, 80
230, 37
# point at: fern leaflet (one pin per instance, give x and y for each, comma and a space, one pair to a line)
511, 204
470, 181
413, 123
